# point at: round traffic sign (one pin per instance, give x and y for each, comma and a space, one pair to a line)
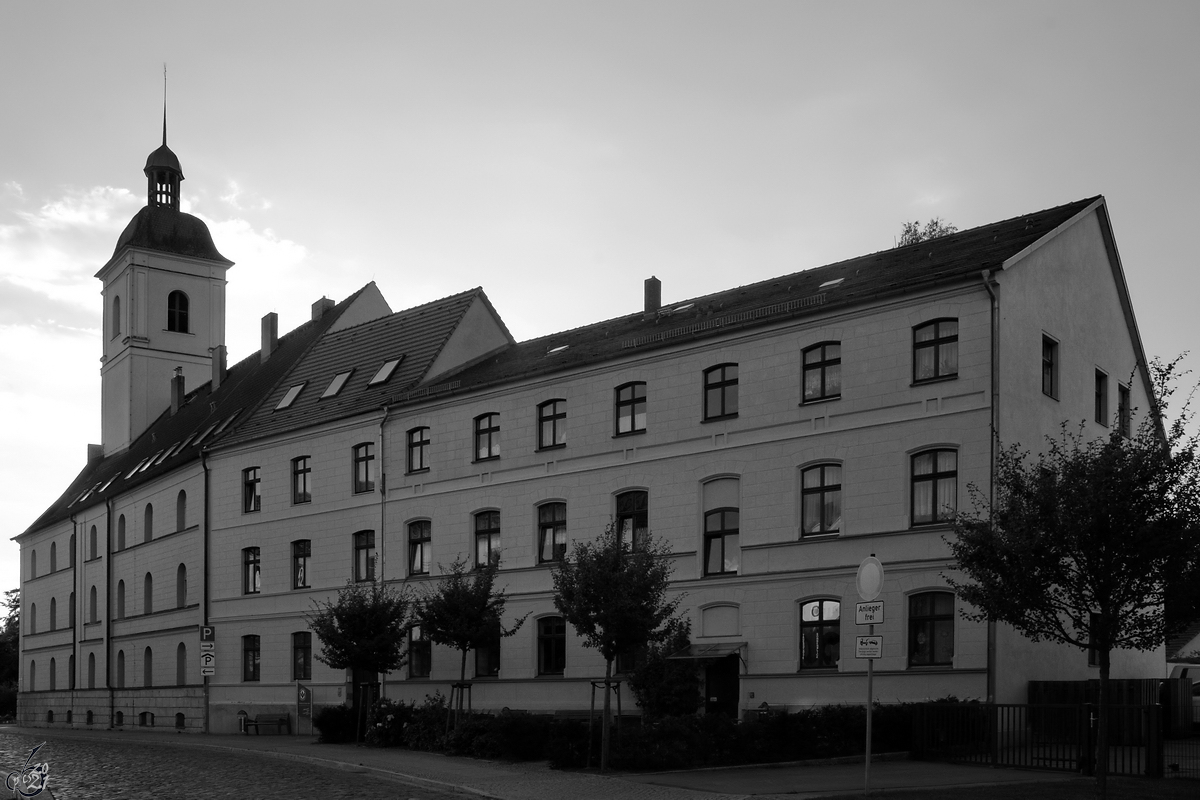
870, 578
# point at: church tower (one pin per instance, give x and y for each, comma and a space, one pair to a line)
164, 306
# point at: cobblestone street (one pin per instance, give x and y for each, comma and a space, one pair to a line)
98, 769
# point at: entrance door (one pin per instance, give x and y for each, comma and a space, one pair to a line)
721, 686
366, 692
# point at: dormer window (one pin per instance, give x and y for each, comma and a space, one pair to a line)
290, 397
177, 312
385, 372
336, 384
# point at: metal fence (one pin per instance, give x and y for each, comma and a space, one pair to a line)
1054, 737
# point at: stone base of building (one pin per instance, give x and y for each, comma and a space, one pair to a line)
169, 709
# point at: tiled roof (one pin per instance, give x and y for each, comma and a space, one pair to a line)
948, 259
416, 336
169, 231
240, 393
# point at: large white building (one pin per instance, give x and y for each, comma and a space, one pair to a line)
773, 434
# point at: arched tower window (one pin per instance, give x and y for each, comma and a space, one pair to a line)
181, 586
148, 524
181, 510
177, 312
116, 317
148, 606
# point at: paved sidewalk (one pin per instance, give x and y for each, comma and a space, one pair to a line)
536, 781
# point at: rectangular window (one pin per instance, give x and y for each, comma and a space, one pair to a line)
301, 552
631, 408
418, 447
633, 514
302, 656
552, 646
364, 467
1124, 414
487, 537
821, 500
419, 535
285, 402
487, 437
251, 571
301, 480
251, 655
364, 556
336, 384
934, 486
552, 532
251, 490
721, 391
1101, 398
935, 350
823, 372
420, 653
552, 424
487, 656
1049, 367
931, 629
722, 553
820, 634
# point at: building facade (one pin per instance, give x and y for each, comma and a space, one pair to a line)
774, 435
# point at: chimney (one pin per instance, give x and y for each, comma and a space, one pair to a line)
653, 296
270, 335
95, 452
320, 307
218, 366
177, 390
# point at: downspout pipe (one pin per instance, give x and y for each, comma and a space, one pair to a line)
994, 408
382, 514
108, 590
204, 574
77, 567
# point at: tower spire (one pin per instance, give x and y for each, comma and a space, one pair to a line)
163, 173
164, 104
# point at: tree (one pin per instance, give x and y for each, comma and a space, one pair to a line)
464, 612
665, 687
616, 599
1080, 545
365, 629
10, 639
912, 232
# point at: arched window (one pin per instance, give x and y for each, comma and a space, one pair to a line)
120, 671
552, 532
822, 372
633, 517
820, 634
364, 556
148, 524
180, 721
54, 556
120, 599
33, 564
181, 510
70, 677
181, 586
934, 487
487, 437
119, 719
487, 537
71, 556
53, 677
721, 391
121, 532
92, 605
148, 594
181, 665
722, 531
177, 312
821, 500
89, 718
116, 317
92, 542
148, 668
71, 611
53, 614
91, 684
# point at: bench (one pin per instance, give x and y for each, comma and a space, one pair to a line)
279, 721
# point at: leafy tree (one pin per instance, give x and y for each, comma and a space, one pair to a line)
912, 232
666, 688
464, 611
10, 639
365, 629
1080, 544
616, 599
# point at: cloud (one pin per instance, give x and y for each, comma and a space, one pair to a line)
104, 208
240, 201
15, 189
22, 306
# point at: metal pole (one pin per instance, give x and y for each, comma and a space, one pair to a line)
870, 680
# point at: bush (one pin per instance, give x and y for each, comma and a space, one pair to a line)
8, 701
386, 722
426, 729
336, 723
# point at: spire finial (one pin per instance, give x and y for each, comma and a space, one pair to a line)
164, 102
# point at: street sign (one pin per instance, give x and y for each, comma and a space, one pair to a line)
870, 578
206, 647
208, 671
207, 660
868, 647
208, 633
868, 613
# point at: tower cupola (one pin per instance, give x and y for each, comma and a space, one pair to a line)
163, 175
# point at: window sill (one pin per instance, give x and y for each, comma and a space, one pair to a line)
813, 537
181, 333
301, 502
251, 510
721, 418
638, 432
1047, 394
484, 460
938, 379
364, 491
551, 676
719, 575
420, 471
551, 447
917, 526
817, 670
816, 401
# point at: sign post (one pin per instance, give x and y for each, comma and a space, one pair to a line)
869, 583
208, 651
304, 706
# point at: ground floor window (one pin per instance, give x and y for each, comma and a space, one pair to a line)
931, 629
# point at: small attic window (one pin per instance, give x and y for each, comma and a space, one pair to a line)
385, 371
204, 435
150, 461
558, 349
290, 397
170, 451
336, 384
830, 284
225, 424
666, 312
131, 472
108, 483
185, 444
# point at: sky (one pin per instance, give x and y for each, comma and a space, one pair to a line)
557, 154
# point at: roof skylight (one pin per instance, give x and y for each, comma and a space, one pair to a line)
131, 472
108, 482
290, 397
558, 349
150, 461
225, 424
385, 371
336, 384
830, 284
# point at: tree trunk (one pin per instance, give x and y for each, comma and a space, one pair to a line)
604, 725
1102, 728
